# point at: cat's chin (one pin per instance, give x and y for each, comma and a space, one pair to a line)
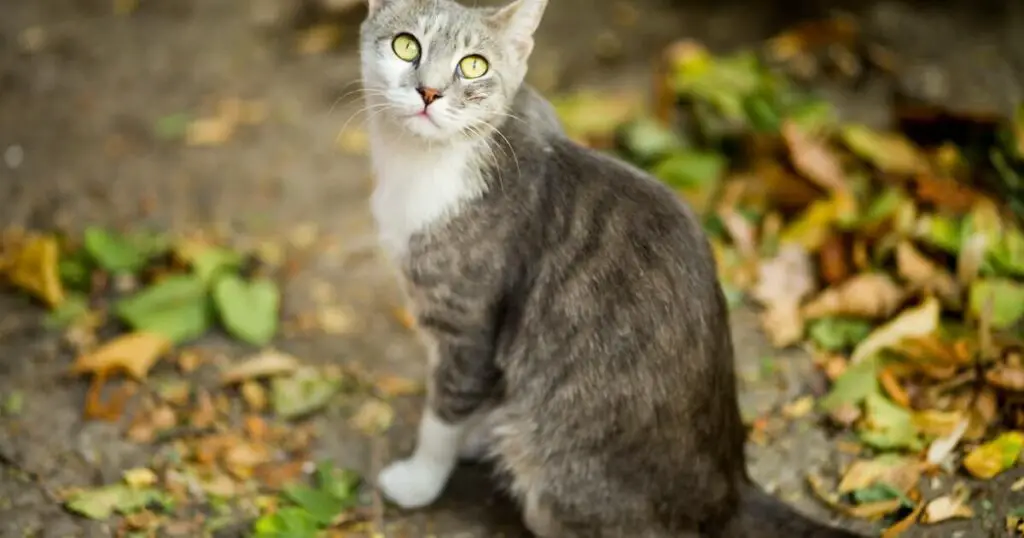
425, 127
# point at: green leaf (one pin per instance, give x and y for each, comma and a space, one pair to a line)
211, 262
119, 253
171, 126
322, 506
76, 270
889, 152
691, 169
248, 309
176, 307
302, 393
647, 141
890, 426
857, 383
13, 404
74, 307
103, 502
341, 483
1005, 296
838, 333
880, 492
288, 522
940, 231
1008, 253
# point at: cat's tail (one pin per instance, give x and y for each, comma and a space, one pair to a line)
766, 516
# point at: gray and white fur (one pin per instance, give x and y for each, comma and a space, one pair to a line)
575, 329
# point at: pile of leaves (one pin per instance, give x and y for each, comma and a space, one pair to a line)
232, 438
895, 262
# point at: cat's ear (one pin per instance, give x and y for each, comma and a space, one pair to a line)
518, 21
374, 5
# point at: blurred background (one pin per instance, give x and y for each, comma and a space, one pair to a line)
200, 337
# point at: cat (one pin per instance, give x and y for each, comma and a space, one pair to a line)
576, 331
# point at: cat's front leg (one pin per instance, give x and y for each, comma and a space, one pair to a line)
462, 380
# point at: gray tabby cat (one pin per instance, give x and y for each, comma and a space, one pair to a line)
576, 331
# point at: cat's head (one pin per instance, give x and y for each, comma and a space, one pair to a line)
442, 70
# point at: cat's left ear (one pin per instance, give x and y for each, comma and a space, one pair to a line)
519, 21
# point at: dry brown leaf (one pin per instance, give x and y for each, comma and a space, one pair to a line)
269, 363
813, 158
946, 193
741, 231
1007, 377
205, 414
833, 259
212, 131
903, 525
901, 473
914, 322
133, 353
783, 324
240, 459
946, 507
875, 510
925, 276
276, 476
405, 317
893, 388
254, 395
868, 295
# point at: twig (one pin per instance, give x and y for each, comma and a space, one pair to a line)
377, 501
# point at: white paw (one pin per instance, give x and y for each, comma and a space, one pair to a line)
412, 483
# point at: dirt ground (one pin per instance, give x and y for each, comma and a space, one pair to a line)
80, 90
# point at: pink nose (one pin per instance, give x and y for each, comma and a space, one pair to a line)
429, 95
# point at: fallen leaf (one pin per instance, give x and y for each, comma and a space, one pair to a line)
813, 226
995, 456
592, 117
858, 382
119, 253
833, 259
942, 447
176, 307
813, 158
887, 425
783, 324
373, 417
838, 333
918, 321
101, 503
213, 131
786, 278
900, 472
889, 152
254, 396
798, 408
34, 268
1007, 300
134, 353
1006, 376
302, 393
393, 386
249, 310
868, 295
268, 363
139, 477
946, 507
925, 276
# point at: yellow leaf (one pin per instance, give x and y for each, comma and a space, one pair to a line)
34, 267
889, 152
373, 417
134, 353
813, 226
995, 456
918, 321
139, 477
267, 364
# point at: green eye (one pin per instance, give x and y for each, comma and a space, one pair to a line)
406, 47
473, 66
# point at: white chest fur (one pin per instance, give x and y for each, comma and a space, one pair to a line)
417, 187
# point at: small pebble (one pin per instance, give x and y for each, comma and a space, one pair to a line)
14, 155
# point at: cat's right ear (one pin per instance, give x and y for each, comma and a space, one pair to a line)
519, 21
374, 5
